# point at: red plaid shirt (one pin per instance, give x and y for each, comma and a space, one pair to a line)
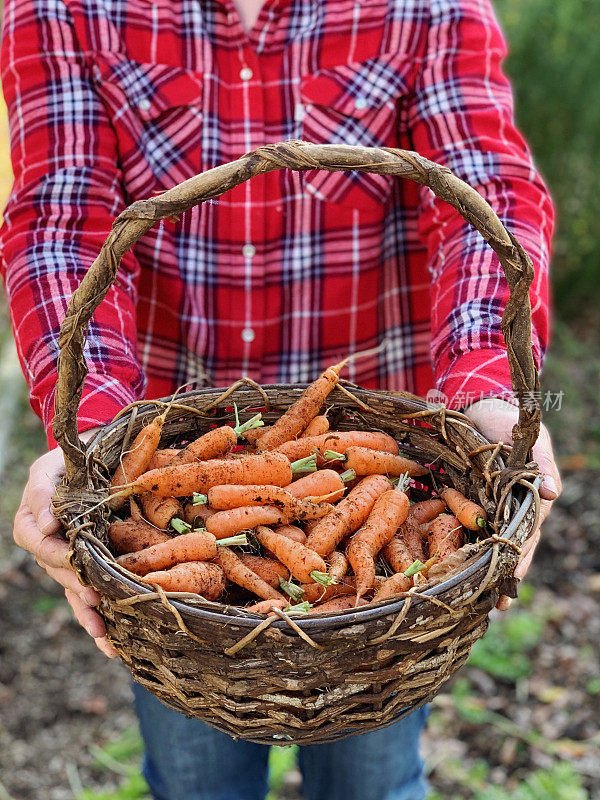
112, 102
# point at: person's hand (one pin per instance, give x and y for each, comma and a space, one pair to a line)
495, 418
37, 530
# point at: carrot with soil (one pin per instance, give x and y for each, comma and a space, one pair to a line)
304, 564
339, 441
237, 572
228, 523
199, 546
129, 536
269, 569
222, 498
393, 586
198, 577
469, 514
349, 514
375, 462
135, 460
445, 536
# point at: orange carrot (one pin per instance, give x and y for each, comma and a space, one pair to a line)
338, 441
212, 444
292, 532
136, 511
161, 458
426, 510
269, 569
468, 513
198, 577
445, 536
221, 498
397, 554
265, 606
338, 565
302, 411
160, 510
410, 533
196, 514
317, 593
253, 435
199, 546
394, 585
388, 513
184, 479
129, 536
316, 426
319, 483
134, 461
374, 462
237, 572
338, 604
300, 561
227, 523
348, 515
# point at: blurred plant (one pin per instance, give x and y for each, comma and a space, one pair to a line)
554, 64
503, 650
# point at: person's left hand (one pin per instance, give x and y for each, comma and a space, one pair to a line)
495, 418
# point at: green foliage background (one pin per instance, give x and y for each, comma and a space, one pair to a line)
554, 65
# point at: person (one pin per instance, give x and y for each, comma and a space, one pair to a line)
283, 275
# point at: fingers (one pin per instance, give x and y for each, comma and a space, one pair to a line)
44, 475
503, 603
91, 621
69, 580
51, 550
542, 453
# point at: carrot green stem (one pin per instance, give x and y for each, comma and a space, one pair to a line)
322, 577
254, 422
233, 541
237, 416
180, 526
403, 482
299, 608
308, 464
348, 476
480, 521
415, 567
199, 499
333, 455
295, 592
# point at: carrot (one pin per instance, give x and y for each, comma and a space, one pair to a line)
349, 514
135, 460
317, 593
221, 498
338, 565
265, 606
227, 523
302, 411
339, 442
292, 532
237, 572
388, 513
338, 604
184, 479
198, 577
253, 435
394, 585
269, 569
410, 533
316, 426
216, 442
199, 546
374, 462
196, 514
445, 536
426, 510
129, 536
136, 511
161, 458
397, 554
301, 562
160, 510
468, 513
322, 482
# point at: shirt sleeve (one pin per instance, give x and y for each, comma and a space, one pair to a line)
461, 115
66, 193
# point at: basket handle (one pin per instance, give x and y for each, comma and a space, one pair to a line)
140, 216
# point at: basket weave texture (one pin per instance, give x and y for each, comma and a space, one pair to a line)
314, 680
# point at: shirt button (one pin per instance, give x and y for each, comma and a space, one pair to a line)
360, 103
248, 251
248, 335
144, 105
246, 73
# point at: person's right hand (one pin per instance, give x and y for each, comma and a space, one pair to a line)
37, 530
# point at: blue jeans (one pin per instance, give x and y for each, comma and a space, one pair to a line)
188, 760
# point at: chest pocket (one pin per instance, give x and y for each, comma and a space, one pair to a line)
156, 111
354, 104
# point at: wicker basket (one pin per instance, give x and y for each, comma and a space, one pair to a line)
319, 679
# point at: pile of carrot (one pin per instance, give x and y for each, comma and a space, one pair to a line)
290, 516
